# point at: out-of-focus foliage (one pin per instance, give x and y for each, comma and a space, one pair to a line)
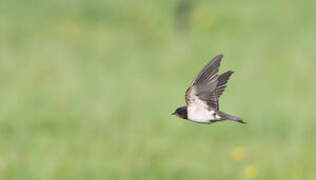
87, 88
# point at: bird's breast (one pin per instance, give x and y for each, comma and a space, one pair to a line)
199, 113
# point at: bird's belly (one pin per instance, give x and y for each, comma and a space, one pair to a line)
200, 114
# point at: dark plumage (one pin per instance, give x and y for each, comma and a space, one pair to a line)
181, 112
203, 95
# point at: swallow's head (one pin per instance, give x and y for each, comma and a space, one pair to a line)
181, 112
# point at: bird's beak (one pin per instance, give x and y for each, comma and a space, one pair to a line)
174, 113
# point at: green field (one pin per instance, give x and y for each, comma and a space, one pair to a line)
87, 89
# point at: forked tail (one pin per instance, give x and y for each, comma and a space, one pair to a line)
230, 117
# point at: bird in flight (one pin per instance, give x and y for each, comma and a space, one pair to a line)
203, 95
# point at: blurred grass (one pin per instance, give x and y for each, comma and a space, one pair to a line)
86, 89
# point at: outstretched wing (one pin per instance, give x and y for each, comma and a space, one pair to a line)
204, 85
222, 81
209, 72
221, 85
201, 97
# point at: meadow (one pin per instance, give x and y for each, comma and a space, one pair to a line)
87, 89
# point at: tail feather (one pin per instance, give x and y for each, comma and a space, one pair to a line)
230, 117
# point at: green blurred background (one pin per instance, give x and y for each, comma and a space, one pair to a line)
87, 88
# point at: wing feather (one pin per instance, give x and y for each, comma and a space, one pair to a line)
221, 85
202, 96
205, 84
209, 72
222, 81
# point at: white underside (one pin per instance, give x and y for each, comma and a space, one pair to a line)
198, 110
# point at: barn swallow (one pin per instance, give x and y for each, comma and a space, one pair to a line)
203, 95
